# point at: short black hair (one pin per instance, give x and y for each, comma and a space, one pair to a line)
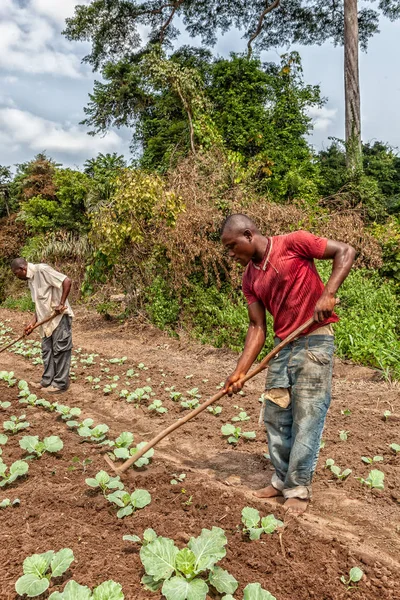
18, 263
238, 222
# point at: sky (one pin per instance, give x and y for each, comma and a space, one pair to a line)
44, 86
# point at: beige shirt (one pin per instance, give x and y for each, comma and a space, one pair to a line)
45, 284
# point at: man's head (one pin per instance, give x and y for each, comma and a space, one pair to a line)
19, 267
239, 235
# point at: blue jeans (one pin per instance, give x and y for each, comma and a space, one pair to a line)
294, 433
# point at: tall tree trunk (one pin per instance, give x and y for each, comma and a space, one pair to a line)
352, 86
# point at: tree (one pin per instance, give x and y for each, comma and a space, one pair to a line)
5, 181
114, 28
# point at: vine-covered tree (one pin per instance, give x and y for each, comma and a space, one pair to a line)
115, 29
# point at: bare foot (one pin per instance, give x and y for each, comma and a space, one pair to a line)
268, 492
296, 506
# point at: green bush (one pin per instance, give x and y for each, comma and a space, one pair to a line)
162, 306
23, 303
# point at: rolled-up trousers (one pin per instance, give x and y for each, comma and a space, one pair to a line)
56, 354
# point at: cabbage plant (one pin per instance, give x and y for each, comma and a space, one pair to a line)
34, 446
40, 568
255, 526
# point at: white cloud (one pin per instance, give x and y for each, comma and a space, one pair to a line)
323, 117
30, 39
22, 129
56, 10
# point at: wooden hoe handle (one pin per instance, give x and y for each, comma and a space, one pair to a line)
33, 329
263, 364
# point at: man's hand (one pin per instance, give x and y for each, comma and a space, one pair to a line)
60, 308
232, 385
28, 329
324, 307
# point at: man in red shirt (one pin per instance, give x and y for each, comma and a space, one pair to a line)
281, 277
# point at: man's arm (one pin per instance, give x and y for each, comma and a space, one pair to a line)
255, 340
66, 288
343, 257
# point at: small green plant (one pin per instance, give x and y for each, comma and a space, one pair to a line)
242, 416
35, 447
157, 406
7, 502
108, 590
131, 373
124, 453
192, 403
386, 415
330, 464
142, 367
149, 535
343, 435
346, 412
178, 478
186, 573
124, 440
68, 414
394, 447
109, 388
235, 433
175, 396
127, 502
375, 480
139, 395
19, 468
255, 526
86, 429
103, 481
215, 410
8, 377
194, 393
118, 361
5, 405
40, 568
369, 461
3, 439
355, 575
15, 424
77, 461
253, 591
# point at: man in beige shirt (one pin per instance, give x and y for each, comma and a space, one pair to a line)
49, 290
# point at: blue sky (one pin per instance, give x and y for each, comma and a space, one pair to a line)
44, 86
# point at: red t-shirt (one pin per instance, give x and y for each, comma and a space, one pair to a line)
287, 282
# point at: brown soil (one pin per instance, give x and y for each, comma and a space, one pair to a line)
347, 525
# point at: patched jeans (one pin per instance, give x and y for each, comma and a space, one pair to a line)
304, 367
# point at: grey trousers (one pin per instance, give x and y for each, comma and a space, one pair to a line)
56, 354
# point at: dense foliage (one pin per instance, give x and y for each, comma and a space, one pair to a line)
217, 136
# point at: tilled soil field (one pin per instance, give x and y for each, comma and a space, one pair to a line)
347, 524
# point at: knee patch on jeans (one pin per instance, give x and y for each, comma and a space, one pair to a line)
279, 396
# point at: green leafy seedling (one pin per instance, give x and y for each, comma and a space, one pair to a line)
108, 590
142, 367
215, 410
7, 502
194, 393
374, 480
40, 568
346, 412
394, 447
109, 388
34, 446
189, 572
125, 453
178, 478
175, 396
127, 502
242, 416
8, 377
335, 470
149, 535
95, 434
118, 361
103, 481
369, 461
5, 405
235, 433
386, 415
157, 406
192, 403
15, 424
255, 526
343, 435
355, 575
